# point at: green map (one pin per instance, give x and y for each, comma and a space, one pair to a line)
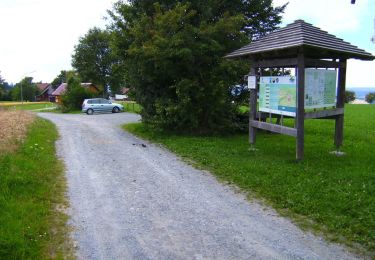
277, 95
287, 95
320, 88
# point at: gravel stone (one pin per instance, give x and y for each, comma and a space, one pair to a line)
131, 199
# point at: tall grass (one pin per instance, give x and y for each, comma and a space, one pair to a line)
13, 128
31, 192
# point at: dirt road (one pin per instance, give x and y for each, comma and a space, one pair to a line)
130, 201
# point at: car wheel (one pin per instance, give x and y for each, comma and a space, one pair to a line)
90, 111
115, 110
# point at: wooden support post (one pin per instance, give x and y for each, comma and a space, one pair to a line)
253, 109
339, 126
300, 113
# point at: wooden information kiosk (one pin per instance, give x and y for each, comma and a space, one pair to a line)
299, 45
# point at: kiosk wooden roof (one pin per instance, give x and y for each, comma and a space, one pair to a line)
317, 44
300, 45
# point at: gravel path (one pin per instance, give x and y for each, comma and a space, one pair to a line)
134, 201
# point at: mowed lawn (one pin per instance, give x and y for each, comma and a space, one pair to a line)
27, 105
329, 194
32, 186
130, 106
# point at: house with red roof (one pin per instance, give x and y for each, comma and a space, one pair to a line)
45, 92
62, 88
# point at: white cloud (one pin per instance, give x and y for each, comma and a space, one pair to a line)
39, 35
340, 17
360, 74
332, 15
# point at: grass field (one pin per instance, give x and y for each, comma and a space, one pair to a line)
32, 221
325, 193
130, 106
27, 105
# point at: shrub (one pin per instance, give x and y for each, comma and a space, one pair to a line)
370, 97
74, 95
349, 96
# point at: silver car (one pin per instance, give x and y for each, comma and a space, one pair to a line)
89, 106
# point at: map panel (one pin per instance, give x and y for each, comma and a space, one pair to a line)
277, 95
320, 88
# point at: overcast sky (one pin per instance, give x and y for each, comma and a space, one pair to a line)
38, 36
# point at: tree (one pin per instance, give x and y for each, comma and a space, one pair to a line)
349, 96
2, 87
370, 97
172, 52
5, 89
95, 61
260, 17
61, 78
27, 88
1, 80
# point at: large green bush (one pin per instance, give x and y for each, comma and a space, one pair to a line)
74, 95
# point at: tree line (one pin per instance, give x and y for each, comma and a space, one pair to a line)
350, 97
10, 92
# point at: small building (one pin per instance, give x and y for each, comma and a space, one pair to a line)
123, 95
45, 92
62, 88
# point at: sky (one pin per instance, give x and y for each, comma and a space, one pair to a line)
38, 36
352, 23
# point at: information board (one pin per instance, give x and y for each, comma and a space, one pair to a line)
320, 88
277, 95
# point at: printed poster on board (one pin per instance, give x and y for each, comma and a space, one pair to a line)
277, 95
